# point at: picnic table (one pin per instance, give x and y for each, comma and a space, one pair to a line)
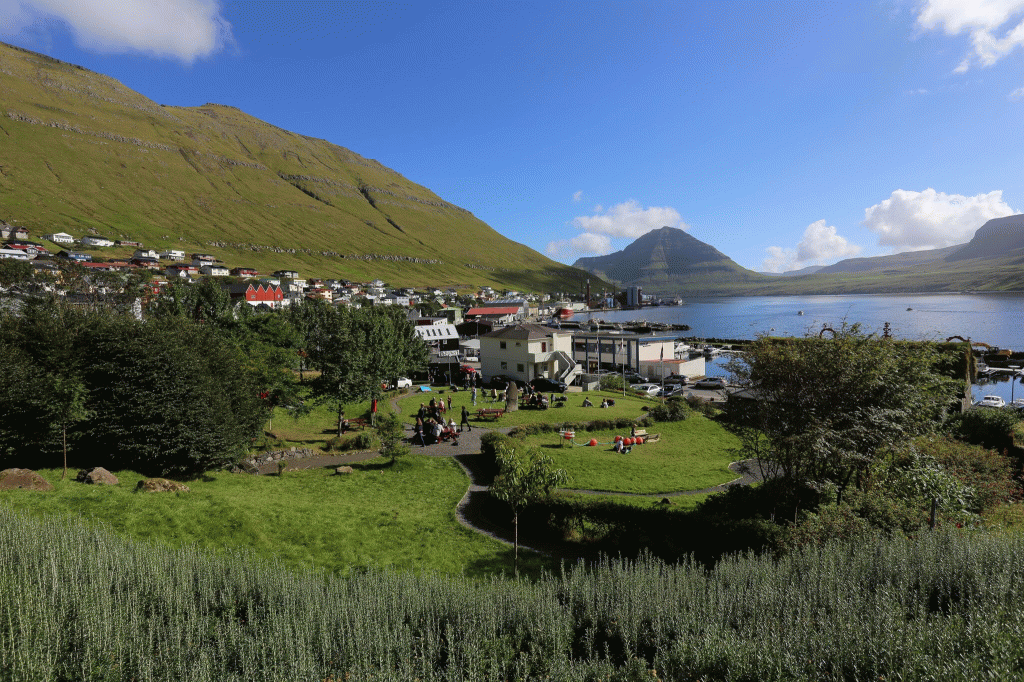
492, 413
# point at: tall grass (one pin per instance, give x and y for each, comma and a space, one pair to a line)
81, 604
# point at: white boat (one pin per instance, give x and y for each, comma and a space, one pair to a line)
991, 401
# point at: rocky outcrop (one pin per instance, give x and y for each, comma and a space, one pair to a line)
96, 476
161, 485
24, 479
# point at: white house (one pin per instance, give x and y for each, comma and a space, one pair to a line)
214, 270
91, 240
60, 238
15, 254
651, 356
145, 253
527, 352
172, 254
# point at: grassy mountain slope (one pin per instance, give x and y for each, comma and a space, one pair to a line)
85, 154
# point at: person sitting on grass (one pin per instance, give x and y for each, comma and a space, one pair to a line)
604, 403
587, 403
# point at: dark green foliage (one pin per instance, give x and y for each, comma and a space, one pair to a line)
986, 427
170, 398
162, 397
391, 431
358, 351
823, 410
672, 410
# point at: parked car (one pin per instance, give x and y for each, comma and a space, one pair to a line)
680, 379
710, 383
634, 378
646, 388
545, 385
500, 382
402, 382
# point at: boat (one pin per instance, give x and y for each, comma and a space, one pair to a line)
565, 313
991, 401
799, 312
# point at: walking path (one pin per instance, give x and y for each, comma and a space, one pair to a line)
470, 510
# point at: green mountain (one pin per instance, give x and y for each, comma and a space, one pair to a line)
84, 154
670, 261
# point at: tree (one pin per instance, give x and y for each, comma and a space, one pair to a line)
823, 409
521, 481
357, 351
391, 430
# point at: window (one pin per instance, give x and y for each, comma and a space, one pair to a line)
518, 344
502, 344
504, 366
519, 368
543, 346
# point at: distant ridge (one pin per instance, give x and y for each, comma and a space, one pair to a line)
669, 261
83, 154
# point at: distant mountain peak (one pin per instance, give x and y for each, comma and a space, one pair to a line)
666, 259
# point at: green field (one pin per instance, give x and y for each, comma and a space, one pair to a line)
691, 455
627, 406
401, 516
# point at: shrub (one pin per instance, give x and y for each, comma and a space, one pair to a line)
672, 410
987, 428
986, 471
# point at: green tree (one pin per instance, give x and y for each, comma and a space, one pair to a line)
521, 481
66, 397
391, 431
357, 351
823, 409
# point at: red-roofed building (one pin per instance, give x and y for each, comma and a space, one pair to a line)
502, 315
257, 293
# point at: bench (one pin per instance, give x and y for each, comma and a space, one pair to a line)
349, 424
490, 413
642, 433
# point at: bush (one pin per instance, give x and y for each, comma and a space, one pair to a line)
672, 410
986, 471
987, 428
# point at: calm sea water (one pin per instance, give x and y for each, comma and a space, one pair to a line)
995, 318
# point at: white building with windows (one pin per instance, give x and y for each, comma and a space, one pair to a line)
60, 238
527, 352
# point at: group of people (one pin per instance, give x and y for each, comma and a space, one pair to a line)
431, 426
607, 402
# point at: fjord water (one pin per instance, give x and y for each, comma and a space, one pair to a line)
994, 318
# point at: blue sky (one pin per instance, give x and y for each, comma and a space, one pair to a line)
785, 134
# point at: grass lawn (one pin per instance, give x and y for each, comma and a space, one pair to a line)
401, 516
691, 455
312, 429
628, 406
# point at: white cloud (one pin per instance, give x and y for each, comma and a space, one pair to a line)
629, 219
586, 244
181, 29
931, 220
821, 243
1016, 95
982, 20
577, 195
779, 259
